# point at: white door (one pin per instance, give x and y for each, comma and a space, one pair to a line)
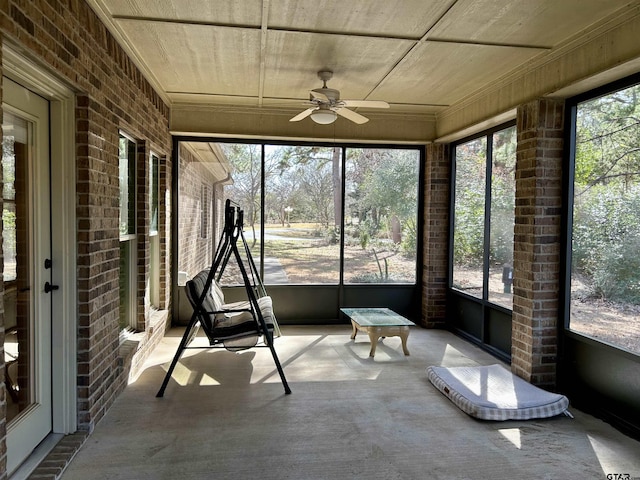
27, 269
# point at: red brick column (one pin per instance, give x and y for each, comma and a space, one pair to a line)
437, 174
537, 241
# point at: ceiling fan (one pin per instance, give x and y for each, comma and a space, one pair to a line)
327, 104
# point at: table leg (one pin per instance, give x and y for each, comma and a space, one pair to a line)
374, 335
355, 330
404, 335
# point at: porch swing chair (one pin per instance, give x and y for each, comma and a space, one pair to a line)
234, 326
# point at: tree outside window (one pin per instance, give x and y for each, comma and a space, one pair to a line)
484, 216
303, 210
605, 265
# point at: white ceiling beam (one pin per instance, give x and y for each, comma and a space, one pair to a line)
263, 48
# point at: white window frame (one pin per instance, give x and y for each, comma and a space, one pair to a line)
154, 236
131, 238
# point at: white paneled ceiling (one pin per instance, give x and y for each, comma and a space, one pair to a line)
421, 56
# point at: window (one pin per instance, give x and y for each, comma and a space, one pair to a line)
501, 216
381, 215
302, 214
483, 237
246, 192
468, 231
154, 238
605, 226
154, 193
293, 201
127, 169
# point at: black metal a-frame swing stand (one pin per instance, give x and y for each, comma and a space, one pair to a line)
206, 316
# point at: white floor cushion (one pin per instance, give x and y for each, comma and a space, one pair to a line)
494, 393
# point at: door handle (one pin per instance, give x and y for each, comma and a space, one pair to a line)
50, 288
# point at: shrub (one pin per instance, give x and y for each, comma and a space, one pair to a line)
364, 239
606, 242
332, 235
409, 245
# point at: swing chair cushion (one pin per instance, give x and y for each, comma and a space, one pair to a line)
235, 324
222, 322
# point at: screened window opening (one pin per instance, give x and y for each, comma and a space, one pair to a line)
483, 217
302, 214
469, 215
381, 215
325, 215
245, 191
605, 265
501, 217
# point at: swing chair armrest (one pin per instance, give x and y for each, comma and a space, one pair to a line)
244, 309
233, 310
225, 310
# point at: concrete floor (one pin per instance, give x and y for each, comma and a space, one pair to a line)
225, 415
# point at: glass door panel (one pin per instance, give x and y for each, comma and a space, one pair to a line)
16, 276
26, 245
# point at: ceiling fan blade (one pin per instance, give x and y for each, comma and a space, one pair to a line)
319, 96
365, 103
304, 114
351, 115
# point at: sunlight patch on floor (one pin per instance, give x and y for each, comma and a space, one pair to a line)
513, 435
319, 358
181, 374
453, 357
611, 459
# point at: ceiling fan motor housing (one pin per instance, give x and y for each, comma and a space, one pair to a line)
332, 94
325, 75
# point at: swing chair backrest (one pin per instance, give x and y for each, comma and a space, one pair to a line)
223, 322
212, 301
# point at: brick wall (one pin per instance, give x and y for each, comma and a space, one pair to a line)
436, 230
536, 283
195, 252
66, 37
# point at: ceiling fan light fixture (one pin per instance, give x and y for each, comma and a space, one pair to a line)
324, 116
